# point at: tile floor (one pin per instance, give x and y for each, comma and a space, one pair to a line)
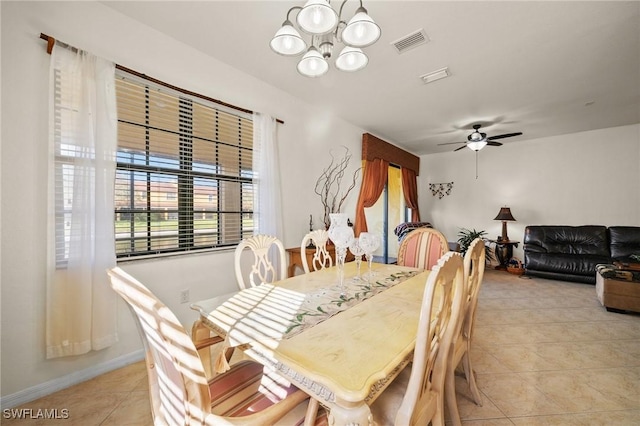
546, 353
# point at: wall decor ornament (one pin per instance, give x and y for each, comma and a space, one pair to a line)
441, 189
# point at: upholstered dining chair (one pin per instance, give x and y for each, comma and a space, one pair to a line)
179, 391
263, 269
416, 395
321, 257
474, 263
422, 248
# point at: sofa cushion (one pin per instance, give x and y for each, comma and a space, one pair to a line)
564, 263
625, 241
570, 240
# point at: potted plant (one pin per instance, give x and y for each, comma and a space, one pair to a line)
466, 237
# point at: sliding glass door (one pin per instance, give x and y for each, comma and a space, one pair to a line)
388, 212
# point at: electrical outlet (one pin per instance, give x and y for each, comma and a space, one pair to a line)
184, 296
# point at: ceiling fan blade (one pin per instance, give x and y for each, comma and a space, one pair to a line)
490, 143
458, 149
451, 143
506, 135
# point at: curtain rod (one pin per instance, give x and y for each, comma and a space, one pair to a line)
51, 41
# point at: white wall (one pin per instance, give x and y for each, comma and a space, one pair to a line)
304, 139
588, 178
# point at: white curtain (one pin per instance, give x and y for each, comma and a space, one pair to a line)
268, 199
81, 307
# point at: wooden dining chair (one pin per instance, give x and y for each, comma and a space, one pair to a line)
416, 396
180, 394
474, 263
321, 258
264, 248
263, 269
422, 248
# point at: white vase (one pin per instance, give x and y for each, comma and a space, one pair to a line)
341, 235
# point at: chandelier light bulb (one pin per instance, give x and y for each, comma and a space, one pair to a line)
361, 31
317, 17
313, 64
287, 41
351, 59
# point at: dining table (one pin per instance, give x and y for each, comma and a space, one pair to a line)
342, 343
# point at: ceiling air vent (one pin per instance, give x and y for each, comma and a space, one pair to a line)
410, 41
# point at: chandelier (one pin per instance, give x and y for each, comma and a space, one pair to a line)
326, 28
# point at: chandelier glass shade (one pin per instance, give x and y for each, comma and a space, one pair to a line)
327, 28
288, 41
317, 17
361, 31
313, 64
351, 59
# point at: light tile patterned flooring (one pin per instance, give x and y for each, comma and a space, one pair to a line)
546, 353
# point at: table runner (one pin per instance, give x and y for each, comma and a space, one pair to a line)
325, 303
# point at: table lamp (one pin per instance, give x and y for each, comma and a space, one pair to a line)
505, 215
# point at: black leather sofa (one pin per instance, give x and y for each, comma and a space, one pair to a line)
571, 253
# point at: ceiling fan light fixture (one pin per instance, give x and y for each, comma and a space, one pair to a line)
477, 145
477, 136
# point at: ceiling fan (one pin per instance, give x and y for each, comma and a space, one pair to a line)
478, 140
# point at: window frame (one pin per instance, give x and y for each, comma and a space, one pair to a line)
187, 176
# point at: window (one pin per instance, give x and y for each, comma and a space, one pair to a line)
184, 177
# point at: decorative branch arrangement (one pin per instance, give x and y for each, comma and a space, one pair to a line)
329, 182
441, 189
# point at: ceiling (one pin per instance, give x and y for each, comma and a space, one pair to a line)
540, 68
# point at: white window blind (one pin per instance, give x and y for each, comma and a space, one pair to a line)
184, 177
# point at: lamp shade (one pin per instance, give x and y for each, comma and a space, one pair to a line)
351, 59
361, 31
287, 41
313, 64
317, 17
505, 214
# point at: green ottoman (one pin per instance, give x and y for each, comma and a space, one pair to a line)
618, 290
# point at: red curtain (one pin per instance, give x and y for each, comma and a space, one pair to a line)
374, 179
410, 190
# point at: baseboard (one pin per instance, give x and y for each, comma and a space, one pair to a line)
55, 385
